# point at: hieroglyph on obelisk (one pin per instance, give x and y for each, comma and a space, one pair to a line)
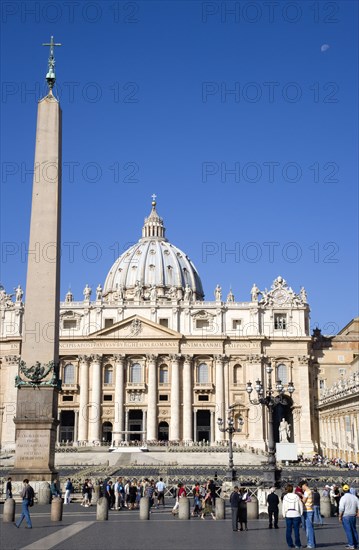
37, 380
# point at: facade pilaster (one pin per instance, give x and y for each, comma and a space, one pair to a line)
256, 417
187, 399
117, 434
220, 400
84, 399
7, 428
95, 405
174, 434
152, 398
301, 383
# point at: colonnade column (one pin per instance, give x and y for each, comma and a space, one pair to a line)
187, 399
117, 435
95, 404
174, 434
219, 395
152, 398
84, 399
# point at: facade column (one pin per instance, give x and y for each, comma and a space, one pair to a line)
144, 425
126, 424
174, 434
117, 435
152, 398
226, 382
219, 395
76, 427
213, 423
187, 399
95, 404
84, 399
195, 425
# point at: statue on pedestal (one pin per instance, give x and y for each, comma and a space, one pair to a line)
87, 293
284, 431
18, 293
218, 293
254, 293
187, 293
99, 292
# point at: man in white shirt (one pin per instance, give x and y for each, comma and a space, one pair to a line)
160, 489
348, 512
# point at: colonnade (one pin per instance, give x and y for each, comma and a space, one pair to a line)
180, 407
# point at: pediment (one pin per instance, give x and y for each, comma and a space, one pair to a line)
135, 327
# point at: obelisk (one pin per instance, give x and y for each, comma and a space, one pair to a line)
38, 384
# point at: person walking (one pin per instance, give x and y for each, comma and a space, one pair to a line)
27, 494
234, 502
69, 489
308, 514
208, 505
160, 489
292, 510
348, 512
8, 489
196, 499
317, 519
273, 508
181, 492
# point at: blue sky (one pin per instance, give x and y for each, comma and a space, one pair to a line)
232, 113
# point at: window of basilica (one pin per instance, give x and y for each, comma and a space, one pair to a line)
202, 374
69, 374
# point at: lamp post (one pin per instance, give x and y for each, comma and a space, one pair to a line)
230, 429
269, 397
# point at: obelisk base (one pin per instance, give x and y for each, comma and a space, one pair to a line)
35, 434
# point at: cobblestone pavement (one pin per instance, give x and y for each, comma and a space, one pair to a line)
79, 530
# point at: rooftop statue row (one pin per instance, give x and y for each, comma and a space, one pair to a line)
280, 294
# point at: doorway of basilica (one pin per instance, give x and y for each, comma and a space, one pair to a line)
203, 432
163, 431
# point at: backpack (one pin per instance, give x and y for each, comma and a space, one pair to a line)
31, 494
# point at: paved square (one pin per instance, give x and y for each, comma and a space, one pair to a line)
79, 530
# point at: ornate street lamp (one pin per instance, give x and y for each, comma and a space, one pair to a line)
270, 397
230, 429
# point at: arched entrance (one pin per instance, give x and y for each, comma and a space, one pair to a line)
163, 431
283, 411
107, 432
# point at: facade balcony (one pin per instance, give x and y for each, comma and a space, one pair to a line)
203, 388
70, 388
135, 386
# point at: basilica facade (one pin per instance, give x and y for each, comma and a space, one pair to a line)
146, 358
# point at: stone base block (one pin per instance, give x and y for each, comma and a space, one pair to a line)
287, 451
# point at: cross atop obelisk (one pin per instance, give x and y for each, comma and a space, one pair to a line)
51, 77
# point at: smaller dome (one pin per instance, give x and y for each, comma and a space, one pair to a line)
153, 268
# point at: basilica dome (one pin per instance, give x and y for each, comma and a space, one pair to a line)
153, 267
